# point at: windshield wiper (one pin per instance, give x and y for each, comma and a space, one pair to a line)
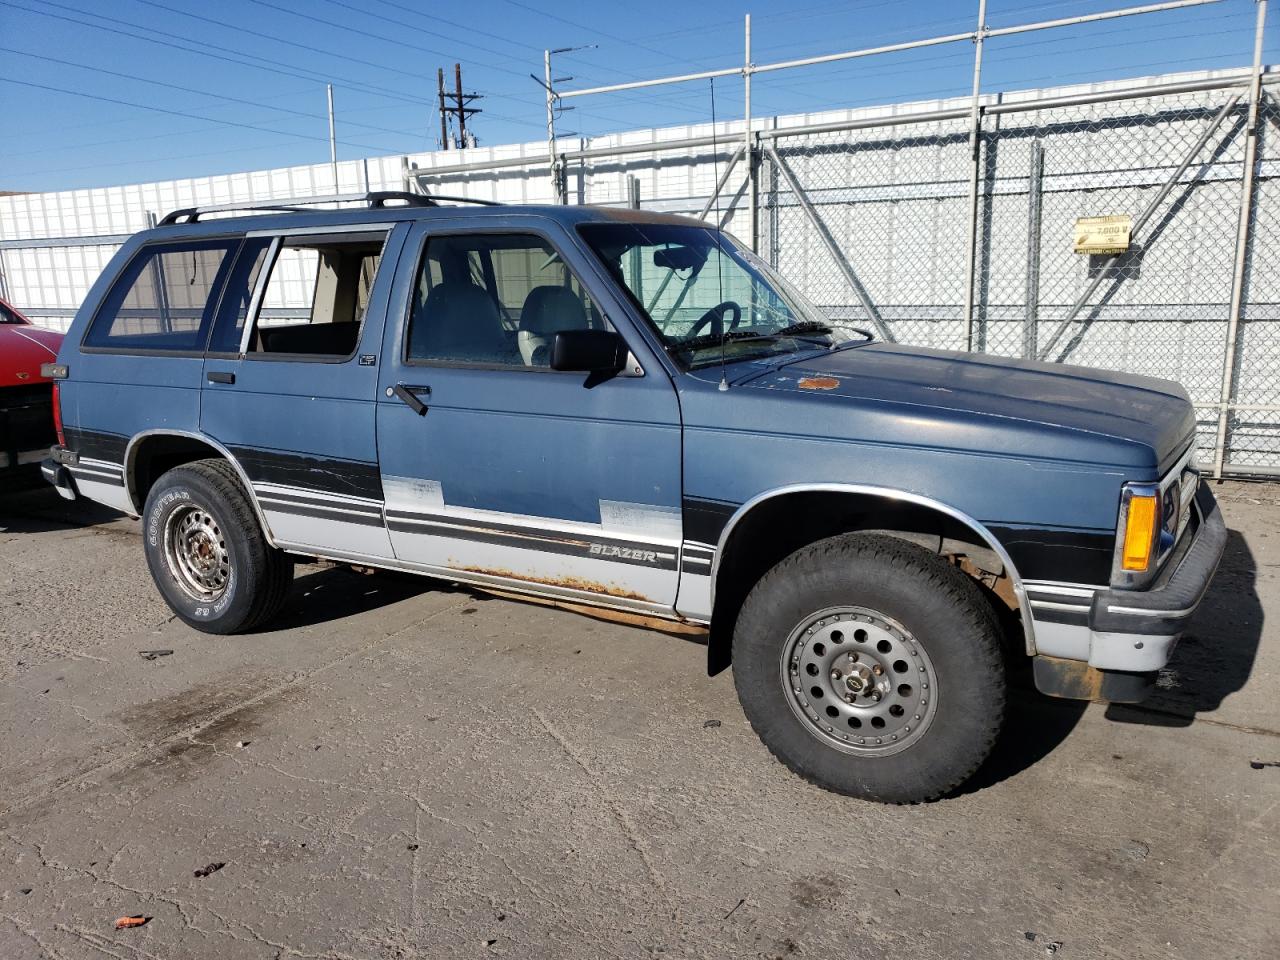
714, 340
815, 328
804, 326
793, 332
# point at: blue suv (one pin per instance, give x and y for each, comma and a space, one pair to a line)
632, 412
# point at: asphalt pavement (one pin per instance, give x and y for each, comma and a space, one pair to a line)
403, 768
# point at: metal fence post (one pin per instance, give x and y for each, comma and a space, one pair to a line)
753, 225
557, 194
1242, 244
1034, 207
975, 153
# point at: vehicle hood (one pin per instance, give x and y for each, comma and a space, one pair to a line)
23, 348
1052, 409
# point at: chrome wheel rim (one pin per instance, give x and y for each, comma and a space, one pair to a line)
196, 552
859, 681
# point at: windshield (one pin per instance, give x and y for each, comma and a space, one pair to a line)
703, 293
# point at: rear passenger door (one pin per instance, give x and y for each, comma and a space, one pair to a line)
290, 379
503, 470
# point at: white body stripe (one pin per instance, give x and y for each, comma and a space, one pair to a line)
112, 495
322, 533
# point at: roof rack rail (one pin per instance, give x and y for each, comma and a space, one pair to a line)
375, 200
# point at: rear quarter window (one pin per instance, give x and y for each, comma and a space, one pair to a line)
164, 300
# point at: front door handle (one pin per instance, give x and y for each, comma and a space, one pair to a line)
220, 376
408, 393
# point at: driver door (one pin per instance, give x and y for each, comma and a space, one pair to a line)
504, 471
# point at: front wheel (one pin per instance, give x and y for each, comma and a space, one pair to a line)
872, 668
207, 552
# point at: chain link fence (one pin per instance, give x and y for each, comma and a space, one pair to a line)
869, 213
895, 202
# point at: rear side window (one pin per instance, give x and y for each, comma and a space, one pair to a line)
164, 300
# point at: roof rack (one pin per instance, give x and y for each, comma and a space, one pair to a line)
375, 199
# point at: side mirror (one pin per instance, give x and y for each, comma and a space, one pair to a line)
588, 351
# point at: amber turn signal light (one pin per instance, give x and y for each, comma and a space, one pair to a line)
1139, 533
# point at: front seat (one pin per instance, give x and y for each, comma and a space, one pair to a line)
546, 311
458, 321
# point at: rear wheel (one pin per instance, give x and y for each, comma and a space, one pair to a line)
207, 552
871, 667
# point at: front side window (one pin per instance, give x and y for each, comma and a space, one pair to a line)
704, 295
164, 300
494, 300
314, 301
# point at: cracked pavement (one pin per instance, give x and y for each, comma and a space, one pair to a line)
404, 769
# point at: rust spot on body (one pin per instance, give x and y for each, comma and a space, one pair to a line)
679, 628
817, 383
568, 583
1069, 679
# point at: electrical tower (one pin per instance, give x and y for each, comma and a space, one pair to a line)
456, 104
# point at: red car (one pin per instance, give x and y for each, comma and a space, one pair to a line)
26, 398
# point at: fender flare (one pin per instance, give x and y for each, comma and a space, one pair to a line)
890, 493
131, 455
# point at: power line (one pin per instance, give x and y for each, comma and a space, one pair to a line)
278, 39
202, 47
311, 17
202, 93
470, 27
420, 29
145, 160
412, 46
184, 114
596, 32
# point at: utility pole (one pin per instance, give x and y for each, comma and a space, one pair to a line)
458, 107
444, 117
559, 188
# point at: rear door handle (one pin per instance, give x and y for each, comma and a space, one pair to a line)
220, 376
408, 393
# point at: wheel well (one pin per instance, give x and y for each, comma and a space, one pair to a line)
155, 455
779, 526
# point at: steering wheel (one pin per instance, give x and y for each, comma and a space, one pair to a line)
714, 318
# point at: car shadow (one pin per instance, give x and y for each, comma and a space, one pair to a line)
1215, 656
40, 509
1034, 726
1213, 660
334, 593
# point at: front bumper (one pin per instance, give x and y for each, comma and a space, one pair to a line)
1131, 631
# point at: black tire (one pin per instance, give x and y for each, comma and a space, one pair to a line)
943, 617
258, 576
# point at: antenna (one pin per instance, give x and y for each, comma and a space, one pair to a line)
715, 169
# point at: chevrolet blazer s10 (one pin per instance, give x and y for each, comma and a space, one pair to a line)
631, 411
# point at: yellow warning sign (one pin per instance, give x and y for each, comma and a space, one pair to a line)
1103, 234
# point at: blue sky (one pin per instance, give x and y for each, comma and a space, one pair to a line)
131, 91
